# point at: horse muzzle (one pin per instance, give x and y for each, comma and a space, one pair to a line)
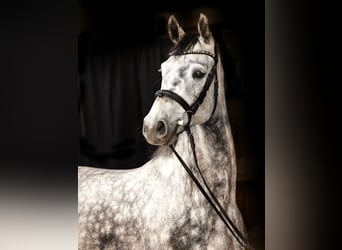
159, 132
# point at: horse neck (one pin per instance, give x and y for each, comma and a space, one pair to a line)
214, 148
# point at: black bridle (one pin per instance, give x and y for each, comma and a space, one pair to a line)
191, 110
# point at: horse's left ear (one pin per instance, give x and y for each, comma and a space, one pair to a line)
203, 28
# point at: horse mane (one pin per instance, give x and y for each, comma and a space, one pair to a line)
186, 43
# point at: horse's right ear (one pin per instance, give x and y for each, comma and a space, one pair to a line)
176, 32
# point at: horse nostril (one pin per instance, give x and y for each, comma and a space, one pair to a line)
144, 129
161, 129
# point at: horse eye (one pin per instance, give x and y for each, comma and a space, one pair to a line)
198, 74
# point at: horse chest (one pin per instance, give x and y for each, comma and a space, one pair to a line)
143, 216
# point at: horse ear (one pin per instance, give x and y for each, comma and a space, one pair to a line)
203, 28
176, 32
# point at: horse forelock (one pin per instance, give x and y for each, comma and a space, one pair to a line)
186, 43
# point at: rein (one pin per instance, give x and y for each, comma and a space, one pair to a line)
191, 110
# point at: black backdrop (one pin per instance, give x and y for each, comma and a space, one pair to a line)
117, 87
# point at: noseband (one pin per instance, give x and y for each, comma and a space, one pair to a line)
192, 109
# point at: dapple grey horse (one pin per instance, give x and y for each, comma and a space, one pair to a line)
158, 205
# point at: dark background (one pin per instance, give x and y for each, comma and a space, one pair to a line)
40, 125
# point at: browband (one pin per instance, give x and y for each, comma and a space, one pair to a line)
204, 52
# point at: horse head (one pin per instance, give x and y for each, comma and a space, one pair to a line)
187, 95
